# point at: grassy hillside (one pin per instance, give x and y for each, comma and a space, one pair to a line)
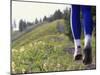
43, 50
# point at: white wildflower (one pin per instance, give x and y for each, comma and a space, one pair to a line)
14, 50
30, 44
40, 42
22, 49
13, 70
43, 43
58, 65
13, 65
45, 64
35, 43
23, 70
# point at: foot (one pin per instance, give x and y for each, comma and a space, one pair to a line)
87, 55
78, 54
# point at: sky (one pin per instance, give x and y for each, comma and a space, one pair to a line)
30, 11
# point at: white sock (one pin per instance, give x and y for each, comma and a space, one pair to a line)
88, 39
77, 43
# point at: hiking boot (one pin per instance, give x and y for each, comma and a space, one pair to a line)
78, 54
87, 55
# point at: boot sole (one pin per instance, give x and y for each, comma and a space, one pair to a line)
78, 57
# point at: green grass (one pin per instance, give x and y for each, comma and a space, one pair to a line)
42, 50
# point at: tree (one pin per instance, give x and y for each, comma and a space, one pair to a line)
66, 16
40, 20
22, 25
29, 23
50, 18
93, 10
45, 18
36, 21
57, 15
14, 24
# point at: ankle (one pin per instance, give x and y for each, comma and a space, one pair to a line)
87, 41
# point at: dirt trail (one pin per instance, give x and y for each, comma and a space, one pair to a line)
70, 50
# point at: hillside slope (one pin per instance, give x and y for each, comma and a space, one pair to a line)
44, 50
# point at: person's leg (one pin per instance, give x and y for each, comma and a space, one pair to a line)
76, 30
88, 27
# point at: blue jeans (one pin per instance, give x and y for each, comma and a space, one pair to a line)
87, 22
